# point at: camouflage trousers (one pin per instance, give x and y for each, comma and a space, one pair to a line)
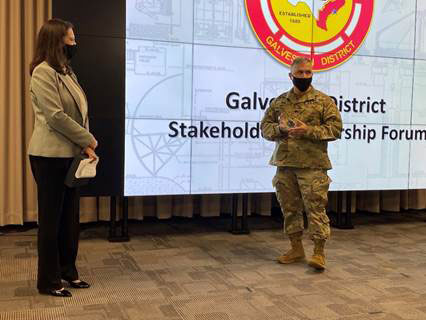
303, 188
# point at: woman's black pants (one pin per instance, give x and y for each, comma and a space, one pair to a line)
58, 219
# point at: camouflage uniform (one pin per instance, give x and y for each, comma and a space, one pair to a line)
301, 181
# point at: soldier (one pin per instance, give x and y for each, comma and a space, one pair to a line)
301, 122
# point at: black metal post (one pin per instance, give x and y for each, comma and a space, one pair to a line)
348, 219
112, 218
234, 212
344, 221
244, 220
125, 225
97, 208
113, 237
243, 229
339, 208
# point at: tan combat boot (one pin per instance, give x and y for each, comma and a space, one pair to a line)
296, 253
318, 259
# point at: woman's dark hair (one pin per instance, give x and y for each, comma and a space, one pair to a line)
50, 45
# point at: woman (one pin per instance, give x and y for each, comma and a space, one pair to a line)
61, 131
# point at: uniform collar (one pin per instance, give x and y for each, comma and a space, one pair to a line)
293, 97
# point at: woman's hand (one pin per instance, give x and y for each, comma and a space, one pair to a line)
94, 144
91, 153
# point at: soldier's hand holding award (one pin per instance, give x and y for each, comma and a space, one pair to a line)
284, 125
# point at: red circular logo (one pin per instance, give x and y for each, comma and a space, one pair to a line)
327, 31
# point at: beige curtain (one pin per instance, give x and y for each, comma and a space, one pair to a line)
20, 21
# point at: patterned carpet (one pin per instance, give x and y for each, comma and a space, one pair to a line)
194, 269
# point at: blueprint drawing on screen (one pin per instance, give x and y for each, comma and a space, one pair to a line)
201, 73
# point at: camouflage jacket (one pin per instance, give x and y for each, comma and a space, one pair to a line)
319, 112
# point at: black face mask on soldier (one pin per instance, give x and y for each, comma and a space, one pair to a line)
70, 51
302, 84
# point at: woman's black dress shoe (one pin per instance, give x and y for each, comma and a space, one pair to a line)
57, 293
78, 285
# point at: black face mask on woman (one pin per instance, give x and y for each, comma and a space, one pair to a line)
302, 84
70, 51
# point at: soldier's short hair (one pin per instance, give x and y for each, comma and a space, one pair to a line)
300, 60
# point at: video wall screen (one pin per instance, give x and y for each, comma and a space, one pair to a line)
200, 75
